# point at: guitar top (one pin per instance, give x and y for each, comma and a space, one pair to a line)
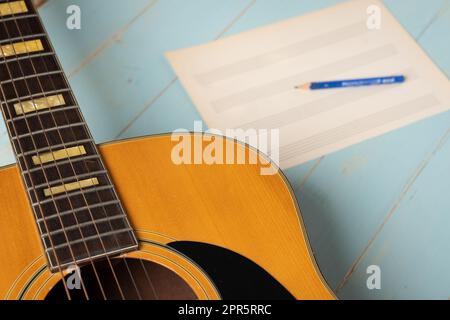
126, 221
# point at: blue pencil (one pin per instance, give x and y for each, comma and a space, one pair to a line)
352, 83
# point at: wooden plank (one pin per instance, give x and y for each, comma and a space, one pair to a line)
412, 248
98, 23
163, 29
411, 244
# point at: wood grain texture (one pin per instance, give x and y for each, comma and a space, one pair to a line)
232, 206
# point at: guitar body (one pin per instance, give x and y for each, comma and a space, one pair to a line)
205, 231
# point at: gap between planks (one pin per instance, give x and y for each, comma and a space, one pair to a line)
422, 165
175, 78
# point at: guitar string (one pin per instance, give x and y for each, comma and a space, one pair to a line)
147, 276
87, 168
20, 151
85, 164
35, 192
82, 192
77, 179
43, 170
41, 165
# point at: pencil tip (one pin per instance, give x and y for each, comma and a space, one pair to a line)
303, 86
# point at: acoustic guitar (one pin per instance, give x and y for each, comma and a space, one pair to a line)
122, 220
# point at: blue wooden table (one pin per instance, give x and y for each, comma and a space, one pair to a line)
383, 202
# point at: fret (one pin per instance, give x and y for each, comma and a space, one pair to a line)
41, 113
31, 76
20, 27
26, 56
76, 210
50, 148
89, 229
59, 163
39, 104
21, 40
27, 91
30, 66
37, 95
31, 56
77, 216
58, 170
74, 201
111, 233
65, 258
77, 185
17, 18
79, 192
61, 136
49, 130
47, 122
98, 231
26, 94
88, 162
74, 184
82, 225
67, 179
27, 27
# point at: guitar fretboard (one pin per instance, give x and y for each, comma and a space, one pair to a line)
77, 211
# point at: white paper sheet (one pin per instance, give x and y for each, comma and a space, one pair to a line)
247, 80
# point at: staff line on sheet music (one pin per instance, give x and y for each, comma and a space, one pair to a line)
291, 51
316, 107
358, 126
279, 86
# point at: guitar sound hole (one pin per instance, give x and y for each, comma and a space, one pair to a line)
132, 279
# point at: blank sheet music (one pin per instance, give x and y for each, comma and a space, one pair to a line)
247, 80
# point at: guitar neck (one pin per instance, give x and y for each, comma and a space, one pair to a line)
78, 213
